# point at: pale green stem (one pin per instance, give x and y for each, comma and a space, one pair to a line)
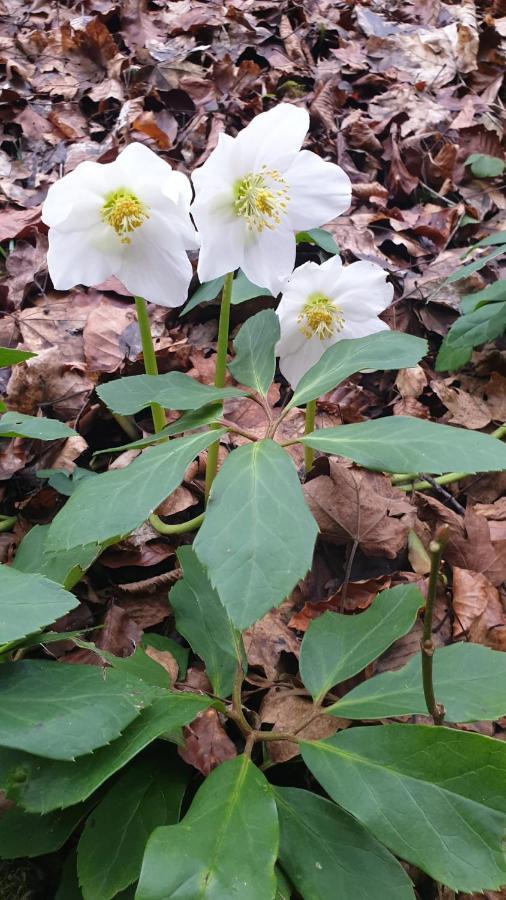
220, 372
308, 429
148, 352
180, 528
7, 522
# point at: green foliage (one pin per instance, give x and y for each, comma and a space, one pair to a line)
65, 482
233, 857
327, 853
29, 602
242, 289
9, 357
493, 293
172, 391
407, 444
13, 424
485, 166
476, 265
202, 620
335, 647
190, 420
61, 712
384, 350
125, 497
469, 680
66, 567
484, 324
434, 796
255, 360
320, 237
25, 834
258, 535
146, 795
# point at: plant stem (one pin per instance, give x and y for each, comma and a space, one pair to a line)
179, 528
308, 428
148, 352
220, 372
436, 547
240, 718
7, 522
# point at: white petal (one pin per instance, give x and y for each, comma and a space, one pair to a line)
155, 269
297, 358
272, 138
81, 257
76, 199
362, 329
138, 163
319, 191
217, 174
174, 219
362, 291
312, 278
269, 258
221, 244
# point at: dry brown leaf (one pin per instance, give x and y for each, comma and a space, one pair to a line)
479, 612
164, 659
411, 382
107, 334
463, 408
287, 711
266, 640
206, 743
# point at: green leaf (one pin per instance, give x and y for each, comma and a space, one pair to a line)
9, 357
469, 680
160, 642
406, 444
254, 346
137, 665
125, 497
283, 888
320, 237
329, 854
434, 796
469, 268
335, 647
25, 834
14, 424
493, 293
41, 785
258, 535
497, 237
60, 711
195, 418
202, 620
147, 794
475, 328
244, 289
205, 292
226, 845
172, 391
485, 166
65, 482
383, 350
68, 888
29, 602
65, 567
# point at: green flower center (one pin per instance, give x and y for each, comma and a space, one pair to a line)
124, 212
261, 199
321, 317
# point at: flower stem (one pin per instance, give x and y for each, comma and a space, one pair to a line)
7, 522
148, 352
436, 547
179, 528
308, 428
220, 372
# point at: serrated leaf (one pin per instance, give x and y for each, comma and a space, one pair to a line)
335, 646
233, 856
383, 350
407, 444
485, 166
14, 424
194, 418
493, 293
175, 390
255, 360
125, 497
435, 796
64, 567
469, 268
137, 665
469, 680
258, 535
62, 711
29, 835
202, 620
327, 853
472, 329
29, 602
42, 785
9, 357
320, 237
110, 851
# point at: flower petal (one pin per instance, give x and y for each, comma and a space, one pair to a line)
154, 268
222, 239
217, 174
319, 191
272, 138
269, 258
354, 329
298, 355
82, 257
76, 199
362, 291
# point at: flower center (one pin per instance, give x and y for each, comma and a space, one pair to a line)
320, 317
261, 199
124, 212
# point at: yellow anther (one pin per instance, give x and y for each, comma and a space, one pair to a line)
320, 317
261, 199
124, 212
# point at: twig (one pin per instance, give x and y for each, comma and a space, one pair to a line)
449, 500
349, 564
436, 547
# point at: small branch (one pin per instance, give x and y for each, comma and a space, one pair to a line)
349, 564
231, 426
308, 429
239, 716
447, 497
179, 528
436, 547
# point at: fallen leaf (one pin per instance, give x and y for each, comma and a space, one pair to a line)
206, 743
287, 711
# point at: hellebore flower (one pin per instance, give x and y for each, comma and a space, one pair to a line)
324, 304
128, 218
256, 190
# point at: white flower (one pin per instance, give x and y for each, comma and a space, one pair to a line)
324, 304
256, 190
128, 218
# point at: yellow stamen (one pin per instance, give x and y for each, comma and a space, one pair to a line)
124, 212
261, 199
320, 317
